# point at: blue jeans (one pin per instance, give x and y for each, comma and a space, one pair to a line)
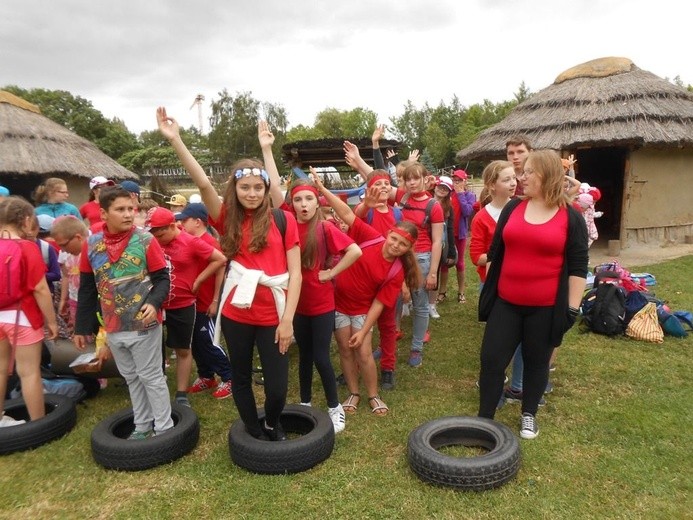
419, 299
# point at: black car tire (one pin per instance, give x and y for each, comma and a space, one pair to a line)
314, 444
111, 449
60, 418
492, 469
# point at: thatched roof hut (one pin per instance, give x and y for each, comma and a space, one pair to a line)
632, 134
33, 148
604, 102
330, 151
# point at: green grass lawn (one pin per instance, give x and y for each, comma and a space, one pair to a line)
615, 442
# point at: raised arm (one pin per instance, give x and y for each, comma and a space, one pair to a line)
266, 138
170, 129
353, 158
378, 160
340, 207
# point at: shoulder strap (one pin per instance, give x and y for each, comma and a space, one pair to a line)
322, 245
369, 216
395, 268
372, 242
280, 220
44, 251
397, 212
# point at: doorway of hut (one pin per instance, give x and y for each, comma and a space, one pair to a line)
605, 168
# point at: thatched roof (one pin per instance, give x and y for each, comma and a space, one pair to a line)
604, 102
32, 144
330, 151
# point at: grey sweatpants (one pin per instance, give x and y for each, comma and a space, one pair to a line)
138, 357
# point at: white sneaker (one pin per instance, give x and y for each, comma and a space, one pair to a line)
306, 404
432, 311
6, 421
529, 428
338, 418
406, 309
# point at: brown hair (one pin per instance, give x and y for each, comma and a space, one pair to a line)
147, 204
517, 140
490, 176
548, 167
14, 210
46, 189
68, 226
235, 213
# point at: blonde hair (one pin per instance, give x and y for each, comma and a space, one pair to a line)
548, 168
490, 177
67, 227
47, 188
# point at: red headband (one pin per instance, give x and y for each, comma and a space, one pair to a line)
376, 178
401, 232
305, 187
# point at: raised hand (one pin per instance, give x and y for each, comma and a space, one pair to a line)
168, 126
414, 155
351, 154
264, 134
377, 135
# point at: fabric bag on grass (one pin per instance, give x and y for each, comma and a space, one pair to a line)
645, 325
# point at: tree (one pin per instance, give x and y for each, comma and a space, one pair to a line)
411, 125
233, 126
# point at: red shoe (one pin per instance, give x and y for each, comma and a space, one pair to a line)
201, 384
427, 336
399, 335
223, 390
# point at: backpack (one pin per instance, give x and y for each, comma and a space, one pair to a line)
397, 213
280, 220
604, 306
426, 222
10, 273
77, 388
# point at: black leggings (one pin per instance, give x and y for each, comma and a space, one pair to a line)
240, 340
313, 335
507, 326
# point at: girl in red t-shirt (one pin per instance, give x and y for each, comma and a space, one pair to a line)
314, 320
21, 327
371, 284
262, 289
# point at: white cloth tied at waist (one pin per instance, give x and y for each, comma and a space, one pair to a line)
246, 282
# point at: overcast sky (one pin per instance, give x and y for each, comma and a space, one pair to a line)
127, 57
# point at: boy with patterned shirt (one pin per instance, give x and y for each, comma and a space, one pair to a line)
124, 269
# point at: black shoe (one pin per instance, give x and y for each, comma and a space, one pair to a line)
340, 380
387, 379
274, 434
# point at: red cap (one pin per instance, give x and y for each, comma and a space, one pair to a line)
159, 217
460, 174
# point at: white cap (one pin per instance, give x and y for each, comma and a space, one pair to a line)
100, 181
195, 198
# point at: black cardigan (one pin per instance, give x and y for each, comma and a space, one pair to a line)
574, 264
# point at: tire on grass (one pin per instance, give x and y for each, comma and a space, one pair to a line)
60, 418
313, 445
111, 449
490, 470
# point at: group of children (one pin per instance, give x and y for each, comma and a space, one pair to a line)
292, 275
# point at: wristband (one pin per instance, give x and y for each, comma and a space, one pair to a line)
573, 312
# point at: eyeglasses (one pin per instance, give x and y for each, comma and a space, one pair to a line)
62, 191
245, 172
527, 172
62, 246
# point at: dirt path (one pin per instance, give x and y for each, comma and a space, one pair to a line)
640, 254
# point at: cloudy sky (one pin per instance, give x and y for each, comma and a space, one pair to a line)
127, 57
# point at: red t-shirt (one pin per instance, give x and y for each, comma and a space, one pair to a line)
91, 211
186, 256
206, 293
483, 227
533, 258
34, 270
416, 216
316, 297
271, 260
382, 222
358, 286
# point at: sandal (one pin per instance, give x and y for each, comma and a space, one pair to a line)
461, 298
351, 403
380, 407
441, 297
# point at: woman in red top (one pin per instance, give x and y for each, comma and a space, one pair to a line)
372, 283
262, 289
534, 285
21, 327
314, 320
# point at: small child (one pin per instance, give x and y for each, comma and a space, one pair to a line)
69, 233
